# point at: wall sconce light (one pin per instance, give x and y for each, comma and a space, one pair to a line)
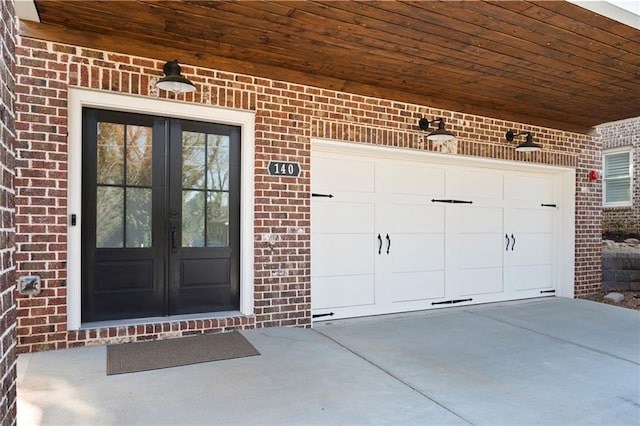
528, 145
173, 80
439, 135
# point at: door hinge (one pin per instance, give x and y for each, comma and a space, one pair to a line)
548, 291
330, 314
548, 205
450, 302
313, 194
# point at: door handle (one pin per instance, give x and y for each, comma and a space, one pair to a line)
507, 237
380, 246
388, 243
513, 242
174, 243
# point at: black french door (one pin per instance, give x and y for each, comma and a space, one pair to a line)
160, 216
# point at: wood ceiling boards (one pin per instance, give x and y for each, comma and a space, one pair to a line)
548, 63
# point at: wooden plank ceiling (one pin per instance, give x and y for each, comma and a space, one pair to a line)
548, 63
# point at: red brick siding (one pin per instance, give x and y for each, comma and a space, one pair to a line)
110, 335
287, 117
588, 258
624, 133
7, 229
282, 232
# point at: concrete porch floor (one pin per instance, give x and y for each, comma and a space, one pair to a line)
543, 361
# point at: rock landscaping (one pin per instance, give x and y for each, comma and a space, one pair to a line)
631, 299
620, 273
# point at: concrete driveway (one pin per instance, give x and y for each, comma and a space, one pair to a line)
546, 361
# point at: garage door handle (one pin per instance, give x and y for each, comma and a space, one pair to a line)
507, 237
388, 243
380, 246
513, 242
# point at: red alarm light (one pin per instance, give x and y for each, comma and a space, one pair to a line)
593, 175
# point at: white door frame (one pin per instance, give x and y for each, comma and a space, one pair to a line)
79, 98
565, 270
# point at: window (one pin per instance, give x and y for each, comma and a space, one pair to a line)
617, 177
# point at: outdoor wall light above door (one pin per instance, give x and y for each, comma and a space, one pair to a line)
439, 135
173, 80
528, 145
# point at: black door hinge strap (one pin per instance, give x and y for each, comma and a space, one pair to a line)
450, 302
452, 201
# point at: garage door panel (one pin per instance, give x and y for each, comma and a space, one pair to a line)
409, 218
532, 277
421, 252
531, 249
347, 175
340, 292
474, 281
532, 221
337, 217
343, 255
479, 250
479, 220
412, 180
530, 187
414, 286
463, 183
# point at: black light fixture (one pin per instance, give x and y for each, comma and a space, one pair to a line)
439, 135
173, 80
528, 145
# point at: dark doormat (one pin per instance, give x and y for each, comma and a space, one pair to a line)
142, 356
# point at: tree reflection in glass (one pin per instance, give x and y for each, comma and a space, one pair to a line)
123, 204
205, 197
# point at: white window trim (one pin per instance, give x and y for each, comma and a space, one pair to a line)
79, 98
627, 149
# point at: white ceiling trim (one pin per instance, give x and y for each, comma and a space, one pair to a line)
26, 10
625, 12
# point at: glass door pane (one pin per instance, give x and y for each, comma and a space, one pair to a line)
124, 179
205, 190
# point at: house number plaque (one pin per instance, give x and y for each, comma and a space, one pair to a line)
282, 168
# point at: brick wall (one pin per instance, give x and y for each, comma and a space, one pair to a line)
620, 134
7, 231
588, 276
287, 116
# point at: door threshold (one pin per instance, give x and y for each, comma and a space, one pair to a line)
156, 320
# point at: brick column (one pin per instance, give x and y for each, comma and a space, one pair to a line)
7, 213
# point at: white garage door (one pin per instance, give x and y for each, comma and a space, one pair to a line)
396, 234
